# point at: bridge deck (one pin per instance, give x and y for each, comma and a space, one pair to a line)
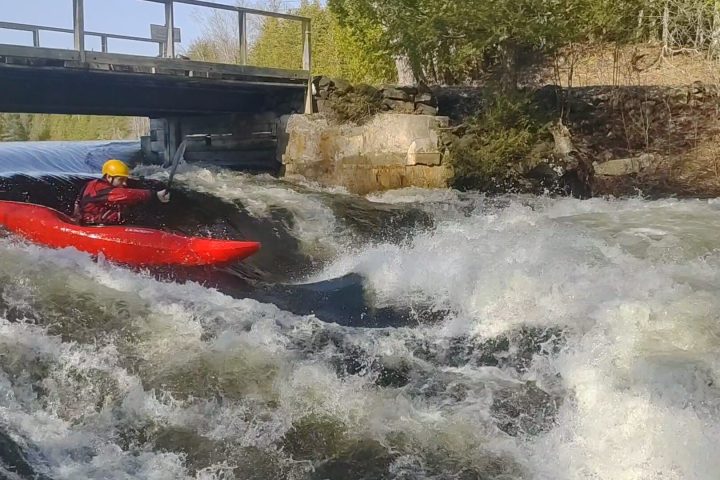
122, 89
36, 79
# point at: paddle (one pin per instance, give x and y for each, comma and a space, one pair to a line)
179, 153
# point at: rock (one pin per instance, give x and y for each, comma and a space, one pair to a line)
563, 140
367, 90
423, 109
624, 166
422, 88
604, 156
323, 106
409, 89
395, 94
399, 106
426, 98
391, 151
324, 83
342, 86
423, 153
602, 98
545, 172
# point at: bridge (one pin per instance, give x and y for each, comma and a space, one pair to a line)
232, 105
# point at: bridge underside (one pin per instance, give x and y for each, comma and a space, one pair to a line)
233, 107
70, 91
43, 80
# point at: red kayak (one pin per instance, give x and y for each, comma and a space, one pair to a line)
122, 244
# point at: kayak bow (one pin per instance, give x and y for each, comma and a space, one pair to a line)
123, 244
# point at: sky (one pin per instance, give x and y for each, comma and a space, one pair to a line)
125, 17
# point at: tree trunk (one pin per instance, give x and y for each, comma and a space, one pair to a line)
666, 28
715, 40
404, 68
509, 79
139, 126
699, 32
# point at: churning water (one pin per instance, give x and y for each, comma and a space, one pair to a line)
409, 335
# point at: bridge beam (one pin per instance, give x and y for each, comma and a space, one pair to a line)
77, 91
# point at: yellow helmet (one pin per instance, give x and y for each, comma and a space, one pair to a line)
115, 168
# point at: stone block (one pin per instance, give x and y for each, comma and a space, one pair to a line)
426, 99
409, 89
396, 94
429, 158
422, 109
322, 106
399, 106
366, 158
427, 176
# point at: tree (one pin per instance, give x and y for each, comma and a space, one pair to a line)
456, 41
337, 50
15, 127
24, 127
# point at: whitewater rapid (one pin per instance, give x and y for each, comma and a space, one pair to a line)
552, 339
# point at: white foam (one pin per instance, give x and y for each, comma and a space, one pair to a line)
312, 221
633, 285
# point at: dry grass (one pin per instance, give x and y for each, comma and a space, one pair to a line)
695, 173
638, 65
685, 134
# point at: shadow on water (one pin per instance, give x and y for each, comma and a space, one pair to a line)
13, 462
270, 276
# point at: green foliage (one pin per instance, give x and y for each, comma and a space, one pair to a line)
24, 127
356, 105
336, 50
15, 126
491, 148
454, 41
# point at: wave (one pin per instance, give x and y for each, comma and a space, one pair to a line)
413, 334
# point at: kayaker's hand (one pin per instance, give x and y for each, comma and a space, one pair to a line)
163, 196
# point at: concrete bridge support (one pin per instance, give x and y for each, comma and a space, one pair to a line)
247, 142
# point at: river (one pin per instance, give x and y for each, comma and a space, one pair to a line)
414, 334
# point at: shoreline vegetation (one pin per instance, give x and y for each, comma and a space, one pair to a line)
582, 97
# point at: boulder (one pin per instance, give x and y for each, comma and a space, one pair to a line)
342, 86
422, 109
396, 94
426, 98
624, 166
323, 83
399, 106
409, 89
322, 106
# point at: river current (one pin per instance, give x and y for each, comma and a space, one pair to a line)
413, 334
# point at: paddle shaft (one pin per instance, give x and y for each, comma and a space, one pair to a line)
179, 153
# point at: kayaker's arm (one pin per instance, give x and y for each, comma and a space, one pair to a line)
129, 196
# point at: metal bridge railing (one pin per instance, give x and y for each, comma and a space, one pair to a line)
171, 34
36, 29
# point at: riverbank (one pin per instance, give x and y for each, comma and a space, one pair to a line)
583, 141
408, 335
588, 141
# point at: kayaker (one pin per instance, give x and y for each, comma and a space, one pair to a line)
107, 201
